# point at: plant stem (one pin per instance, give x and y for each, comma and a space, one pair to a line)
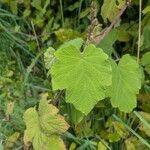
139, 31
80, 6
38, 46
62, 14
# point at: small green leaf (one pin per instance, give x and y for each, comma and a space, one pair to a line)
78, 42
101, 146
126, 82
146, 59
67, 34
120, 129
111, 8
132, 143
11, 140
49, 58
72, 146
36, 4
146, 62
113, 137
129, 144
107, 43
146, 36
13, 7
84, 75
74, 6
120, 33
146, 10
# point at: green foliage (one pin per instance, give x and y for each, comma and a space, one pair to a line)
145, 123
146, 10
146, 62
84, 75
123, 93
146, 32
107, 43
49, 58
64, 35
43, 128
86, 66
110, 9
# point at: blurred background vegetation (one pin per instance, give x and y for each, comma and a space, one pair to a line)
28, 28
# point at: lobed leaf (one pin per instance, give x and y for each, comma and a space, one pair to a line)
126, 82
44, 127
84, 75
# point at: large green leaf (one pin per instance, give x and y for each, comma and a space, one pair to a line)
84, 75
43, 127
126, 82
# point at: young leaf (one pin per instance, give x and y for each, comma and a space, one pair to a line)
84, 75
126, 82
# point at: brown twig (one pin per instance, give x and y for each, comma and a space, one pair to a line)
102, 35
